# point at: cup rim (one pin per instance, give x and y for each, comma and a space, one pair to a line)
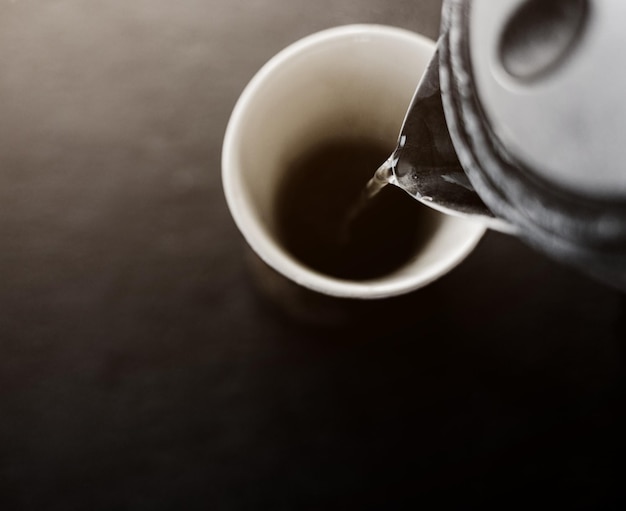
252, 230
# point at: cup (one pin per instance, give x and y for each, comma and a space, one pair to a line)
355, 80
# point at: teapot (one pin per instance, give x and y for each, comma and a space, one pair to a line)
519, 121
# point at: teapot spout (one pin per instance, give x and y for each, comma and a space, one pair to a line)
425, 162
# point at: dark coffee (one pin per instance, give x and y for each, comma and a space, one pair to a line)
314, 204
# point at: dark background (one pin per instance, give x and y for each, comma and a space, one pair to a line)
140, 368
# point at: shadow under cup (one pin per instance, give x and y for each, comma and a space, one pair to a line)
348, 85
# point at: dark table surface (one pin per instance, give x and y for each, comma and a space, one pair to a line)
140, 368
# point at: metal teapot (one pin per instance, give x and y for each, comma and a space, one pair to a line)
520, 120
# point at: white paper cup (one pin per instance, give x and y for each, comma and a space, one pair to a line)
349, 81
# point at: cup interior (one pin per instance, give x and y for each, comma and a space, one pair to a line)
353, 82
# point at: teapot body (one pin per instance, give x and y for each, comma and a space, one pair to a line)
536, 127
